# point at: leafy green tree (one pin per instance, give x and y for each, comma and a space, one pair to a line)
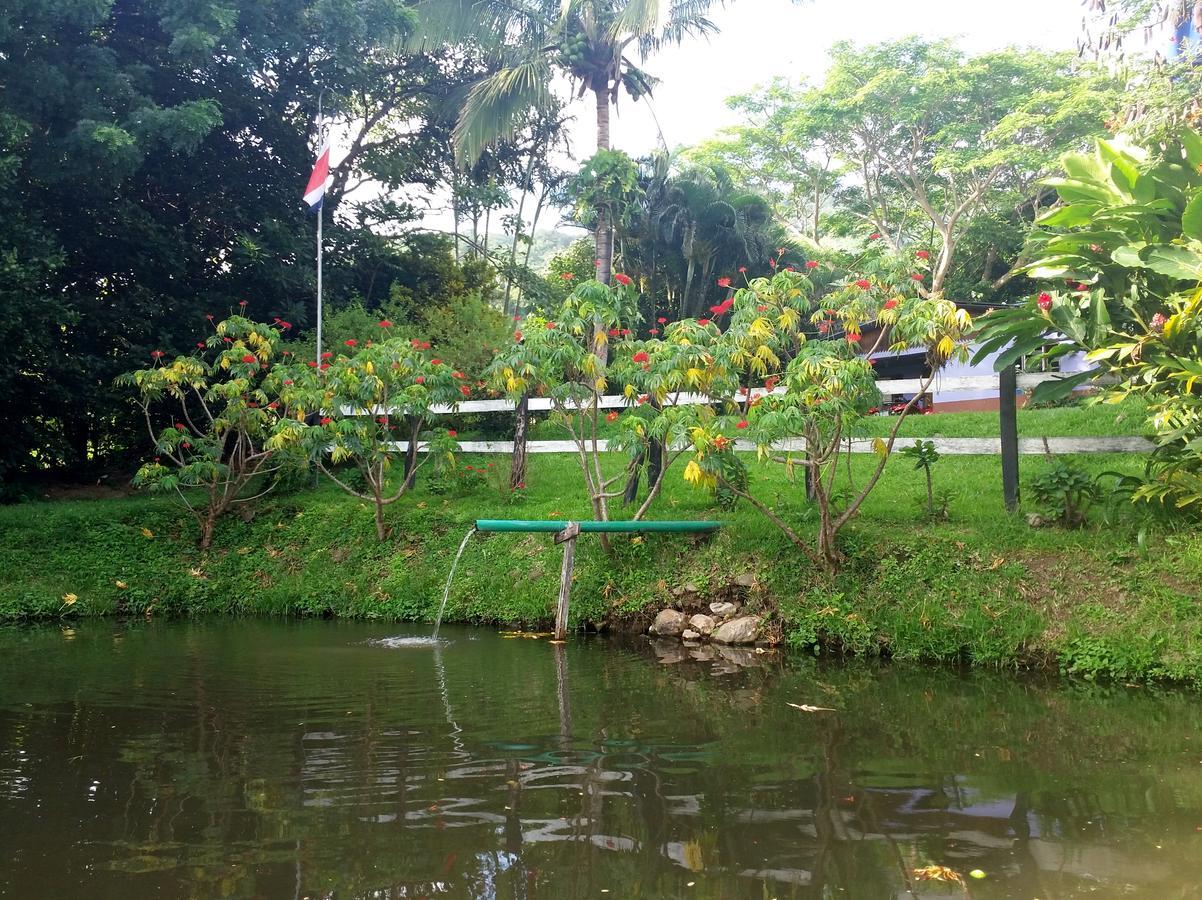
828, 385
932, 144
1127, 241
353, 408
925, 456
221, 406
532, 41
153, 154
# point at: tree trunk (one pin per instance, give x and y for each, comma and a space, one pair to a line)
517, 464
207, 526
631, 492
455, 209
415, 430
381, 530
605, 234
930, 494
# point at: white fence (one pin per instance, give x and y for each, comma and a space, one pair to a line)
949, 446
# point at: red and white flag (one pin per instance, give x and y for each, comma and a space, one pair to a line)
315, 193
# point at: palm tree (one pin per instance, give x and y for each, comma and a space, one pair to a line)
530, 41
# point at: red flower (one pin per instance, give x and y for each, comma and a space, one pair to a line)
642, 398
923, 254
742, 424
610, 417
624, 332
772, 263
383, 420
1157, 323
250, 358
209, 317
384, 323
742, 270
179, 426
762, 308
874, 236
517, 335
312, 364
458, 375
724, 282
703, 321
326, 355
824, 327
812, 264
622, 279
451, 432
550, 324
891, 303
853, 338
567, 276
469, 468
415, 343
242, 303
653, 331
916, 277
420, 379
661, 320
285, 325
1082, 287
186, 445
158, 354
324, 366
326, 420
640, 357
435, 362
613, 332
465, 390
1045, 301
863, 284
351, 342
200, 344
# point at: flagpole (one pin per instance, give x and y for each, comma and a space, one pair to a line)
320, 209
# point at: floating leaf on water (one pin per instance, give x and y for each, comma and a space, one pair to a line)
977, 873
939, 873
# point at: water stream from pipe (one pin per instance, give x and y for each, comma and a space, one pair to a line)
451, 577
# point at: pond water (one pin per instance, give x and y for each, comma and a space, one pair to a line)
330, 760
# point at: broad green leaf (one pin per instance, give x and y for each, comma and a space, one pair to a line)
1175, 262
1191, 219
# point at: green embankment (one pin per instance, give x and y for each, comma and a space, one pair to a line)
982, 586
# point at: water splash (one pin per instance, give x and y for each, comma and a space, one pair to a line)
450, 577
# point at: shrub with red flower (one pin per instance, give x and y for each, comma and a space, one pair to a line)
1044, 301
724, 282
212, 401
622, 279
863, 284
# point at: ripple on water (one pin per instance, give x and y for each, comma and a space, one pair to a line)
397, 643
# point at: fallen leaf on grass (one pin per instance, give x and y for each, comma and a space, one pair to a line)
147, 533
121, 584
996, 562
807, 708
68, 599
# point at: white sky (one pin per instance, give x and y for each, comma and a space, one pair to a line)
762, 39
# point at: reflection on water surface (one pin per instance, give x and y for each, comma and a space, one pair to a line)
331, 760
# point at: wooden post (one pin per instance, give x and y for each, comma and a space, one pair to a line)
1008, 422
567, 537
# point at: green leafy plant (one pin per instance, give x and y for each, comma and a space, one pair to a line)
829, 385
221, 407
925, 456
354, 408
1128, 241
1064, 492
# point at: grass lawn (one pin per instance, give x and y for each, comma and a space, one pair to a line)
981, 586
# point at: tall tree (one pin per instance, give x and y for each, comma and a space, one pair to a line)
153, 155
532, 41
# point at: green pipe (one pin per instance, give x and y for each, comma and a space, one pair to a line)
539, 525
